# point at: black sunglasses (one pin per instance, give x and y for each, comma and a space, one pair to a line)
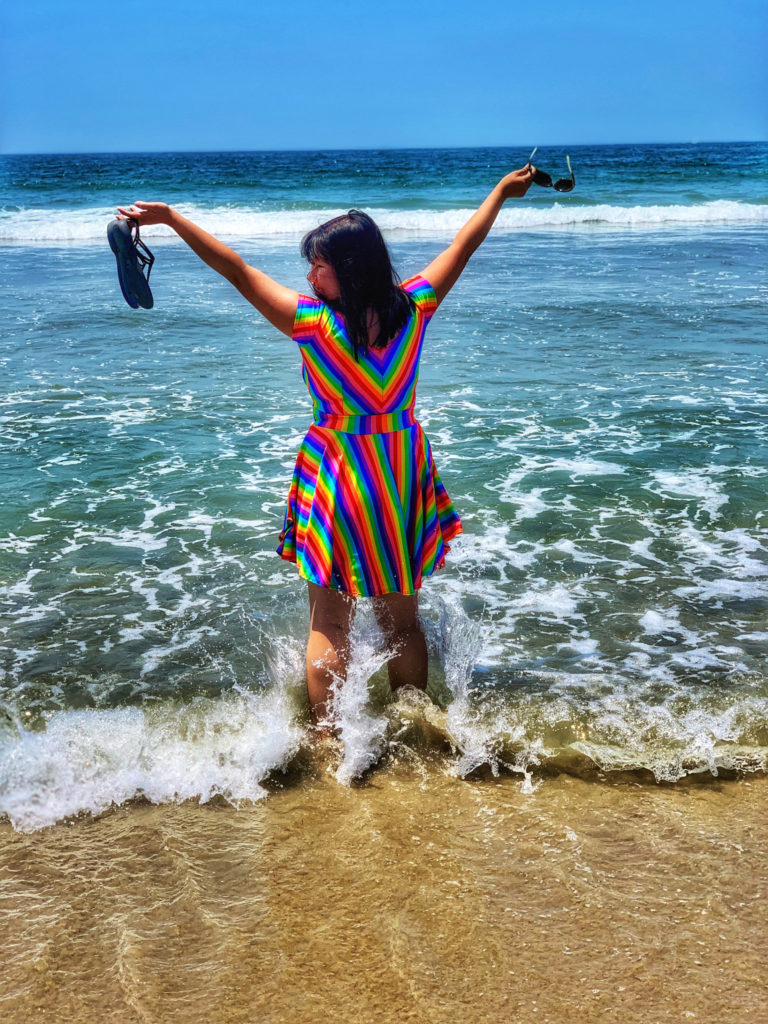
543, 180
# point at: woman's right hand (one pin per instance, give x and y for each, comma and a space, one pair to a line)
146, 213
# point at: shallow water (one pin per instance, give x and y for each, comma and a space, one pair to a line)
414, 897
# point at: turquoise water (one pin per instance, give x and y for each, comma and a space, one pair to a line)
595, 392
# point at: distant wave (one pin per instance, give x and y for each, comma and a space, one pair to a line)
88, 226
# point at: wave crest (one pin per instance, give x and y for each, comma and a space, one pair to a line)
88, 226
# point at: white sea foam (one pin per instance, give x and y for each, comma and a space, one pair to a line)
530, 502
19, 545
90, 760
543, 598
667, 622
721, 590
731, 551
578, 468
181, 640
125, 538
642, 549
694, 483
22, 586
88, 226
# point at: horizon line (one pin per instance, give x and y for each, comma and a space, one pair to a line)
373, 149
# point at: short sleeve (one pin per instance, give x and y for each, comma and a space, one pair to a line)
306, 324
423, 295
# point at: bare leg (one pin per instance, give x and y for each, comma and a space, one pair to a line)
330, 620
398, 616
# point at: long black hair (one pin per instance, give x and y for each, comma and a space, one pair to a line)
353, 245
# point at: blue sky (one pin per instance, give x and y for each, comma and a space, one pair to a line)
85, 76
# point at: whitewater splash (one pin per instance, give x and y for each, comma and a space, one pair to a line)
77, 761
87, 226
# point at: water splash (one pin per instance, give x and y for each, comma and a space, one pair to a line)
93, 759
361, 730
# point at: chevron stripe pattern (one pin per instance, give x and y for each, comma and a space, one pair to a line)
367, 512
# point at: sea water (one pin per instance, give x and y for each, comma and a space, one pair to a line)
595, 391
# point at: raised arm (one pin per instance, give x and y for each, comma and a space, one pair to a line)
444, 271
274, 301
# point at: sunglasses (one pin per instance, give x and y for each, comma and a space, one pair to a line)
543, 180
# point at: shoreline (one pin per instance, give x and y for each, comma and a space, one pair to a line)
413, 896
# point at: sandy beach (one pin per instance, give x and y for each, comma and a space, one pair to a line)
414, 896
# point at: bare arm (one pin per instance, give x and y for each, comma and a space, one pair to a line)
274, 301
444, 271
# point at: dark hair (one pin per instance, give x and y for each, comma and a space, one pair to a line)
354, 247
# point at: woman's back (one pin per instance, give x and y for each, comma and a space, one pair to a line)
367, 513
379, 380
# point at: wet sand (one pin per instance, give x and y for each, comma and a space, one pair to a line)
413, 897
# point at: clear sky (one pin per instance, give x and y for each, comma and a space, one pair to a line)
98, 75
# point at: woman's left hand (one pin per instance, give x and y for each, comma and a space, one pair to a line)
517, 183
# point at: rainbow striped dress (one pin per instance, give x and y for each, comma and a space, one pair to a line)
367, 512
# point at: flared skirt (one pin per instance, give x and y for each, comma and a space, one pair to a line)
367, 513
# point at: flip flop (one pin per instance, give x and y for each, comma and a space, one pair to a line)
132, 257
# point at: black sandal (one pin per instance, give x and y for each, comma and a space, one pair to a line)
133, 257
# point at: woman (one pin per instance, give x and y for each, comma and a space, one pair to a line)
367, 514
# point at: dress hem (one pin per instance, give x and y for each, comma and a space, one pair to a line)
454, 532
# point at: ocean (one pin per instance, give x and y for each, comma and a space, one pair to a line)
595, 392
574, 816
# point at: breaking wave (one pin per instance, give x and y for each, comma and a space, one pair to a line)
87, 226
